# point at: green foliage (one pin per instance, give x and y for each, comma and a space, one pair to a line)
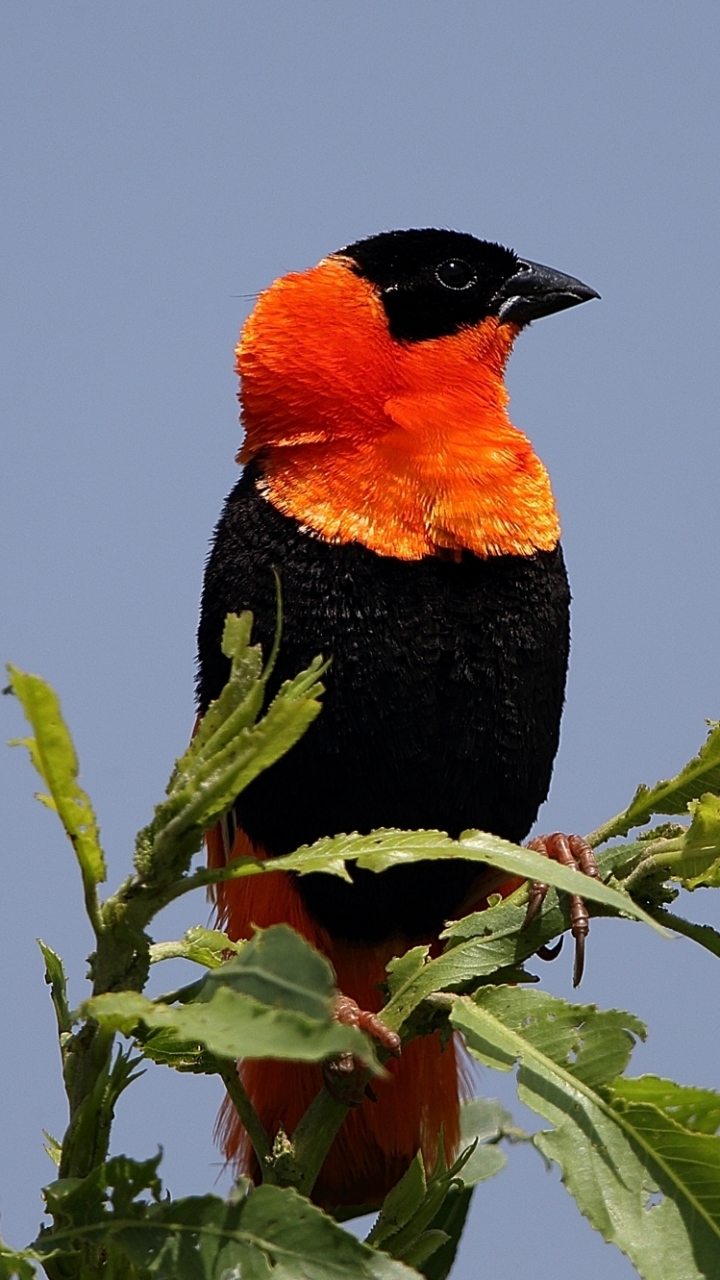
383, 849
208, 947
15, 1264
701, 867
273, 1000
57, 982
700, 775
695, 1109
53, 755
617, 1148
230, 748
117, 1222
422, 1218
640, 1156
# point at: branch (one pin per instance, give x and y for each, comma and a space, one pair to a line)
251, 1123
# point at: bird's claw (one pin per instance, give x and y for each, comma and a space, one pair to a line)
570, 851
350, 1014
346, 1077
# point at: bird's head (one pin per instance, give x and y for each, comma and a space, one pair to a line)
373, 397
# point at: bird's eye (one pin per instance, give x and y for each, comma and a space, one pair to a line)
456, 274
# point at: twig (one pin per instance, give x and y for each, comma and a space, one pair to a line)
251, 1123
314, 1136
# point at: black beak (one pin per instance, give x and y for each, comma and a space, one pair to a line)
535, 291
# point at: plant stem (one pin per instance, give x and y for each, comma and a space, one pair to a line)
86, 1070
245, 1109
315, 1135
613, 827
660, 854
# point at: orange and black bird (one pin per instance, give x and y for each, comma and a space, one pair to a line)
416, 538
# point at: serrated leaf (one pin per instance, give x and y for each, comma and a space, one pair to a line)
451, 1219
246, 670
406, 968
425, 1247
271, 1234
615, 1157
52, 1147
237, 706
166, 1049
206, 781
400, 1203
57, 982
482, 1121
693, 1108
206, 945
700, 865
671, 795
422, 1215
231, 1025
478, 946
703, 934
388, 848
279, 968
273, 1000
53, 755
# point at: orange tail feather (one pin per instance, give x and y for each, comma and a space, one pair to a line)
418, 1098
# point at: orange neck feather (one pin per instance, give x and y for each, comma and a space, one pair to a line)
404, 447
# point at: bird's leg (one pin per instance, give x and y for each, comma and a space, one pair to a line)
345, 1077
571, 851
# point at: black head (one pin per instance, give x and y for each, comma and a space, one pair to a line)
433, 283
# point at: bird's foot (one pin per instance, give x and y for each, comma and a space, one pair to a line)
346, 1077
571, 851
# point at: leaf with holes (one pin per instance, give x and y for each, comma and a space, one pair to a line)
271, 1233
617, 1155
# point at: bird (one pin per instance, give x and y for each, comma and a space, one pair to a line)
416, 538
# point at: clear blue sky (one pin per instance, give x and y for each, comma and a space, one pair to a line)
162, 161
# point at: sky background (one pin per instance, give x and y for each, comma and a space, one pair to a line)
160, 163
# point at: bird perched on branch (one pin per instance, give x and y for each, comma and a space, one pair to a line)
416, 538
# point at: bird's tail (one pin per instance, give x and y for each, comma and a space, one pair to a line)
417, 1100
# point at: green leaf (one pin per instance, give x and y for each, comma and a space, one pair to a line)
167, 1049
482, 1122
278, 968
208, 947
422, 1216
16, 1264
242, 695
703, 934
53, 755
478, 946
269, 1234
700, 866
231, 1026
273, 1000
388, 848
694, 1109
230, 748
52, 1147
670, 796
57, 982
450, 1220
400, 1203
616, 1156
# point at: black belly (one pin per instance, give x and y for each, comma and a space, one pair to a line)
442, 708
